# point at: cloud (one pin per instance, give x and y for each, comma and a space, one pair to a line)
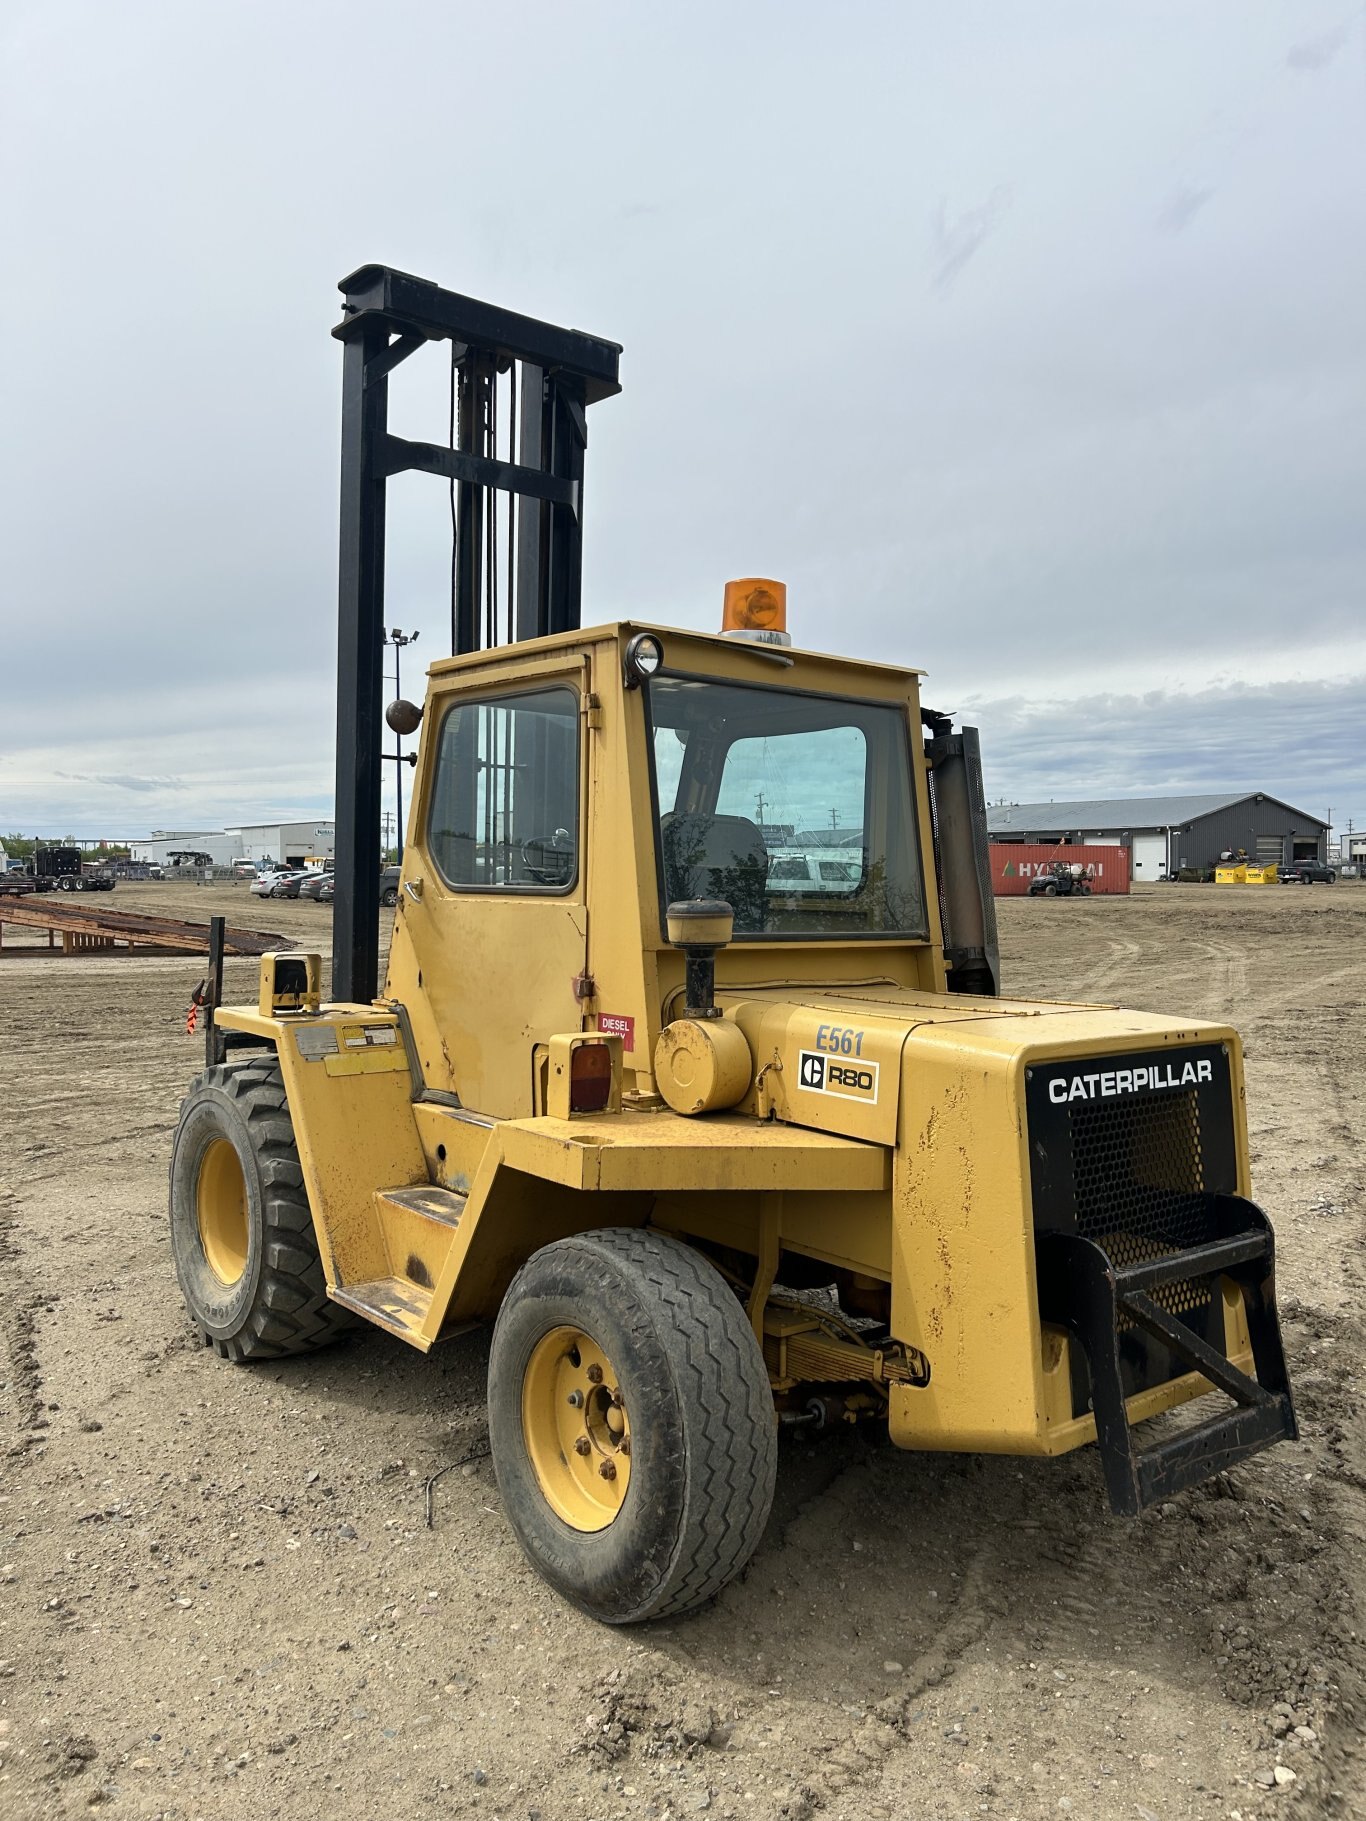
1123, 457
1313, 54
1182, 207
124, 782
956, 242
1298, 741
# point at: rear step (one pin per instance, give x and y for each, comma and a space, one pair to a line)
393, 1303
1081, 1289
418, 1224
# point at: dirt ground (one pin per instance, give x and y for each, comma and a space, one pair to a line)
219, 1597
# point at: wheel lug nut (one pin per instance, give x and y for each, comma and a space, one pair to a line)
582, 1445
576, 1399
608, 1470
595, 1375
624, 1445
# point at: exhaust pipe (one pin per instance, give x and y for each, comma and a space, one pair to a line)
966, 905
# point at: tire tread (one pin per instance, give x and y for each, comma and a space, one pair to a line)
723, 1386
291, 1312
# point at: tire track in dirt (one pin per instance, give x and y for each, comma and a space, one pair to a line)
20, 1308
1223, 988
1095, 984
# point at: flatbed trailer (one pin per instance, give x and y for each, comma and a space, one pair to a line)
83, 929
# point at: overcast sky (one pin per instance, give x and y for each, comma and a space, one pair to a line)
1026, 342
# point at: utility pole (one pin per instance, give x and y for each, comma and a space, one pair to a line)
388, 827
398, 639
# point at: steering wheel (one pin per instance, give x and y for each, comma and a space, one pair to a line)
550, 858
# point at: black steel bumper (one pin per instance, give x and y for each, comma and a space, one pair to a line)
1084, 1291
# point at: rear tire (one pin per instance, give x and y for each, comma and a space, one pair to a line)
694, 1402
389, 897
242, 1232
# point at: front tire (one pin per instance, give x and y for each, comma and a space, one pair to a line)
242, 1232
389, 897
628, 1336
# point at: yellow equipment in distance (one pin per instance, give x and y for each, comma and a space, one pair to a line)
667, 1076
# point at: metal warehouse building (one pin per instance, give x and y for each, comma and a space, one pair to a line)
1165, 834
291, 843
222, 846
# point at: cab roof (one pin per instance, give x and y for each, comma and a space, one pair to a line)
619, 631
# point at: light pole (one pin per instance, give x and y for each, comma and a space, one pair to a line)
398, 639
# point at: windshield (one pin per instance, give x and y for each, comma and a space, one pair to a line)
796, 809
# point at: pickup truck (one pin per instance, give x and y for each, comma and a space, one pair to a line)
1307, 872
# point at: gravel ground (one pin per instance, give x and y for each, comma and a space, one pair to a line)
219, 1596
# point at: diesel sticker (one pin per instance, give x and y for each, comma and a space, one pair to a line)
850, 1077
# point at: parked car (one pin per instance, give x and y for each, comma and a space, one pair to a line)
388, 885
1307, 872
263, 885
287, 884
312, 886
244, 869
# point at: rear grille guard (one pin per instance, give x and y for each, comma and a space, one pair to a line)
1082, 1289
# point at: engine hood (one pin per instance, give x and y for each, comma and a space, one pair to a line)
833, 1058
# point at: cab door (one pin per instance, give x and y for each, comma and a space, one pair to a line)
491, 927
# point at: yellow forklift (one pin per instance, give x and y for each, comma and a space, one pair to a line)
718, 1147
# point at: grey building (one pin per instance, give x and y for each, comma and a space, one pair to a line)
1167, 833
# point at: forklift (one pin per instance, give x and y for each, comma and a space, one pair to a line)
717, 1156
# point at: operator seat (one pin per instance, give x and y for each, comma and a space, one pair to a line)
716, 857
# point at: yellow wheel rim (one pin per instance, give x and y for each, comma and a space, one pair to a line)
577, 1431
221, 1200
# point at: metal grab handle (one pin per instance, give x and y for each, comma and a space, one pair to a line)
413, 887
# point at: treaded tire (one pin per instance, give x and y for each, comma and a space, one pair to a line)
704, 1440
279, 1305
389, 896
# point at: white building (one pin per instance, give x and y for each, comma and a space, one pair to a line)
292, 843
221, 845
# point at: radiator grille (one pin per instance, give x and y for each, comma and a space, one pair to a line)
1129, 1151
1138, 1181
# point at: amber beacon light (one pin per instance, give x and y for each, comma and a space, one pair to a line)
756, 608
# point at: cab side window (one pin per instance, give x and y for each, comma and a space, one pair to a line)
505, 796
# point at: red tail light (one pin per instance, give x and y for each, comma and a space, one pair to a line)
590, 1077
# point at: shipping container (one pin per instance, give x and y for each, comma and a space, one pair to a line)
1015, 863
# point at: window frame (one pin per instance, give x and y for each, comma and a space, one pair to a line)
920, 938
515, 690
